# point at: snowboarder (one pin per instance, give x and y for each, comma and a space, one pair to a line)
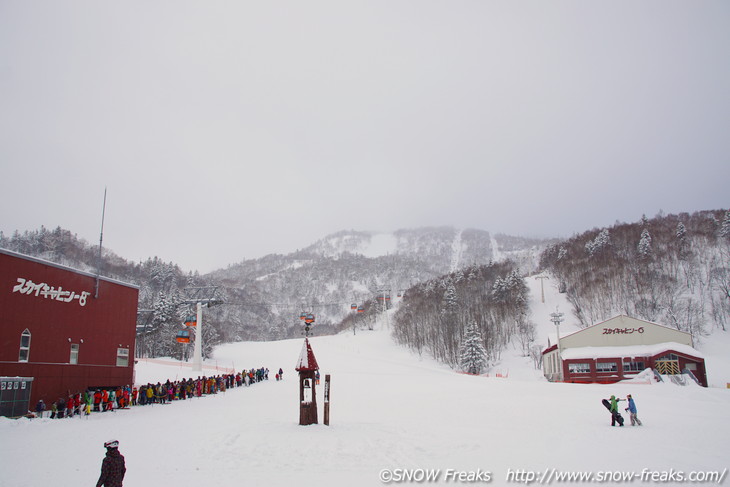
615, 415
632, 411
112, 467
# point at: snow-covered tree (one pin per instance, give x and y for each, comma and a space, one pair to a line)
725, 227
644, 247
681, 231
525, 336
472, 354
602, 240
450, 304
562, 253
276, 332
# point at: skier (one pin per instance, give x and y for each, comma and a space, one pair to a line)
112, 467
77, 404
97, 400
104, 400
40, 407
88, 400
281, 374
70, 407
60, 407
632, 411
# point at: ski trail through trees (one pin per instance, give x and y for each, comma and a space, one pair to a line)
496, 254
456, 251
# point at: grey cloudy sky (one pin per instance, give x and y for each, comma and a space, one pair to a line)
226, 130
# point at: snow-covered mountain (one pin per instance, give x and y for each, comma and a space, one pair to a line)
352, 267
449, 248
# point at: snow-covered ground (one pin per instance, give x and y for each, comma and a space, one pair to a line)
390, 409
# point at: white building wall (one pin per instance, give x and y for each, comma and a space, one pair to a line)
624, 331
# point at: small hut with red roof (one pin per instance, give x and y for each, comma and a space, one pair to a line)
307, 367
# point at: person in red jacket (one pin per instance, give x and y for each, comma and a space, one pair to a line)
112, 467
70, 407
97, 400
77, 403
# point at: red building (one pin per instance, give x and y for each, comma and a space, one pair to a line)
59, 330
621, 348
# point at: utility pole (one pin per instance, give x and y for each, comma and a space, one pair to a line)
542, 286
101, 238
384, 296
557, 318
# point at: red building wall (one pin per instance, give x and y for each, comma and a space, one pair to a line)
619, 374
57, 306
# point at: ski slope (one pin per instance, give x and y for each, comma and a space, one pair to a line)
390, 409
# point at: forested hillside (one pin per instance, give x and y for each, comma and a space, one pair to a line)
671, 269
435, 315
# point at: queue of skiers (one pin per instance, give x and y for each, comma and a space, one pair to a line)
122, 397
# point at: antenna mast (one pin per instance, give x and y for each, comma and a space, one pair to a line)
101, 238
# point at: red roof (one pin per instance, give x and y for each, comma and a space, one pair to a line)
307, 360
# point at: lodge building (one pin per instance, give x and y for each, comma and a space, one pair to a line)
62, 330
620, 348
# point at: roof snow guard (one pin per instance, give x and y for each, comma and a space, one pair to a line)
307, 360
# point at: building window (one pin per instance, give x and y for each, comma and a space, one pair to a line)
74, 358
24, 346
606, 367
122, 357
633, 366
669, 356
579, 368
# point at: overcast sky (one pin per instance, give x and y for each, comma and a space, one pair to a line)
227, 130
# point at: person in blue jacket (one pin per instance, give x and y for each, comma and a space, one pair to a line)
39, 408
632, 411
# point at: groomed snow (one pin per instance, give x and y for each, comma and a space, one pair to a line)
389, 409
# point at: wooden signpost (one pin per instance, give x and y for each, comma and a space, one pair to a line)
327, 399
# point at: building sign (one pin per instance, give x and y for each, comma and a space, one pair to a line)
622, 331
43, 290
